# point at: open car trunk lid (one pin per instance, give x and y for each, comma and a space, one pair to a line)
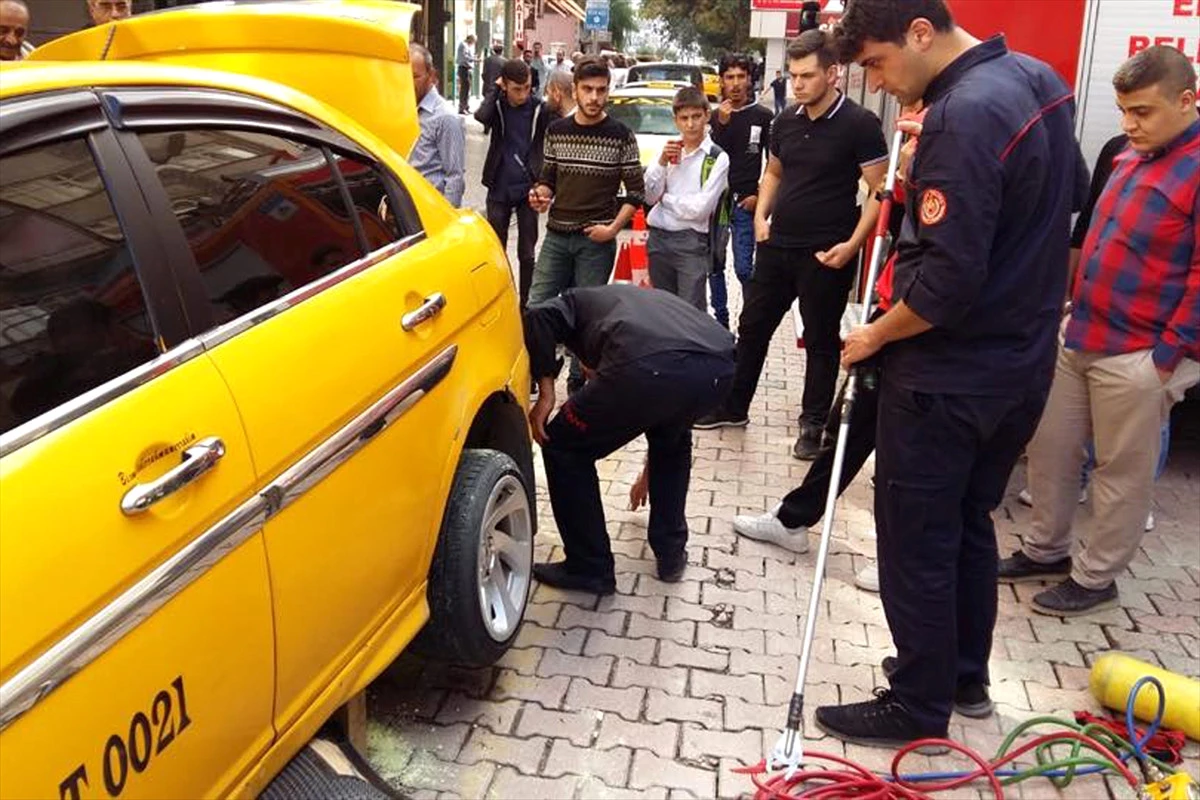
350, 54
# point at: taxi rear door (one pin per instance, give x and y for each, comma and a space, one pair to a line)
136, 651
335, 332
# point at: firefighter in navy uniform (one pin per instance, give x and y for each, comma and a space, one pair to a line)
968, 345
656, 363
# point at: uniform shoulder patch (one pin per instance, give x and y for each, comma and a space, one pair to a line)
933, 207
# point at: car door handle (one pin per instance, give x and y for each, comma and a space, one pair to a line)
197, 460
432, 306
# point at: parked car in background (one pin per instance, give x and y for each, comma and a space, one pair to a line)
666, 71
646, 109
712, 83
263, 398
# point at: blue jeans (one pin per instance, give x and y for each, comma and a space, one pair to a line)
570, 260
741, 228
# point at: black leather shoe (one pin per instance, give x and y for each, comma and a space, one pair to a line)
808, 444
879, 722
1069, 599
1020, 568
558, 576
671, 569
970, 701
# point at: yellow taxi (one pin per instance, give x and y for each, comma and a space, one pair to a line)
262, 398
712, 83
646, 109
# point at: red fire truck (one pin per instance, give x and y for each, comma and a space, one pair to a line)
1085, 40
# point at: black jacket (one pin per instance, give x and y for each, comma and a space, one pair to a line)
492, 66
491, 114
612, 325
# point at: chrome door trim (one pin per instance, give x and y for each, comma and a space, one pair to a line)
105, 628
338, 448
110, 624
223, 333
89, 401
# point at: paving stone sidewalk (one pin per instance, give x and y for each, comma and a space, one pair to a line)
659, 690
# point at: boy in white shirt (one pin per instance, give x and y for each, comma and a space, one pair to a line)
686, 185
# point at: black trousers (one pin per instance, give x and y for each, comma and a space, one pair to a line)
659, 395
805, 505
780, 276
464, 88
942, 464
500, 215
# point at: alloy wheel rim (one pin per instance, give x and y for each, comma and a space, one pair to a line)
505, 558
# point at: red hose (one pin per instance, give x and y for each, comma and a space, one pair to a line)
855, 782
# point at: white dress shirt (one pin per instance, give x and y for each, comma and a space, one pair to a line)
680, 201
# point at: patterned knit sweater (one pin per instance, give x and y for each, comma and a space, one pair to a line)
585, 166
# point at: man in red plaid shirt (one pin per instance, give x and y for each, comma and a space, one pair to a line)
1130, 346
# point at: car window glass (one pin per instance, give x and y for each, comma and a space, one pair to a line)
72, 314
262, 214
650, 116
368, 191
664, 72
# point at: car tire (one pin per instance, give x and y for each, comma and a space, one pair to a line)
482, 568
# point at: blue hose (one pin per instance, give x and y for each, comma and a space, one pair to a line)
1130, 728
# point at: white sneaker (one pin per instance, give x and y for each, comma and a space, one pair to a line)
867, 578
768, 528
1150, 522
1026, 499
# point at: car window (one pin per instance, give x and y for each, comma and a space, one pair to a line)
644, 115
664, 72
263, 214
72, 313
383, 207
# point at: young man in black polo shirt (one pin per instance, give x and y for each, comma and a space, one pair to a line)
809, 230
742, 128
968, 344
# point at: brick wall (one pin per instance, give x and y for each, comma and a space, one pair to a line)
554, 28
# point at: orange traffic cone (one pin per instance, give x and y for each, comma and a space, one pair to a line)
639, 260
622, 272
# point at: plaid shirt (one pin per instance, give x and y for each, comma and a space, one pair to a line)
1139, 287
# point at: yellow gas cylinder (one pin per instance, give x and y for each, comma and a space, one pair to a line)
1114, 674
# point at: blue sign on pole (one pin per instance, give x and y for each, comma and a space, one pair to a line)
596, 15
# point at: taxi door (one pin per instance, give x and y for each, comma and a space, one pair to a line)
334, 333
136, 645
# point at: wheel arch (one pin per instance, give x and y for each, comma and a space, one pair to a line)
500, 424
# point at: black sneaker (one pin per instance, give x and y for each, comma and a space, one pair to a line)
670, 570
881, 722
970, 701
808, 444
558, 576
1069, 599
974, 701
721, 419
1020, 568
